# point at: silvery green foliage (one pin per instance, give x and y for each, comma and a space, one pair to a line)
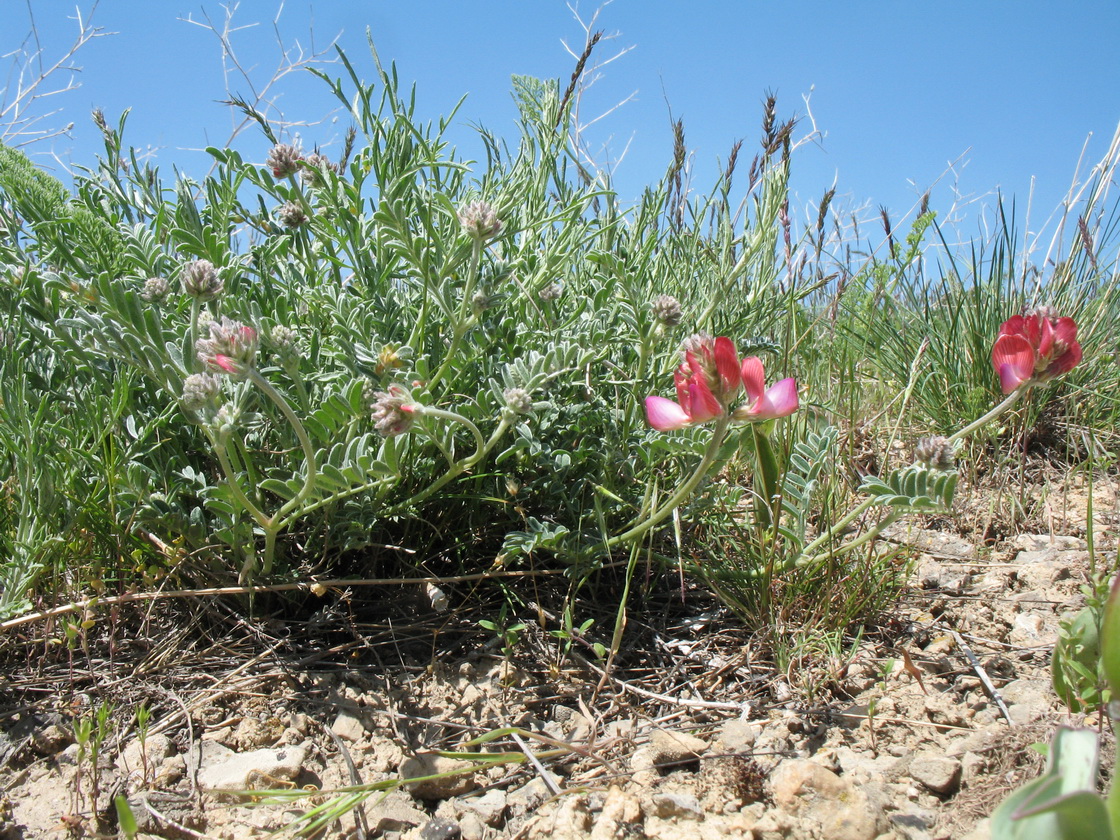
917, 488
807, 459
381, 285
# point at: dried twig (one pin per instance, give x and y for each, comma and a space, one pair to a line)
30, 82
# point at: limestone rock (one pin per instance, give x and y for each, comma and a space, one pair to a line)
936, 773
349, 726
621, 811
396, 812
679, 805
253, 770
490, 807
831, 805
442, 787
669, 747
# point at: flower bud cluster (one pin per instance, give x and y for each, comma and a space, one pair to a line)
480, 221
284, 343
201, 281
936, 452
393, 411
230, 349
284, 160
156, 290
200, 390
292, 214
518, 400
312, 168
667, 310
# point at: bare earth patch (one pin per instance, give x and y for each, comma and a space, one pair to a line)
916, 735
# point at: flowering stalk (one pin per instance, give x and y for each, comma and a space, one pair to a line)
719, 432
1029, 350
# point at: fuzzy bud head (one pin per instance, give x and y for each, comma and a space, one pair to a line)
201, 280
200, 390
292, 214
312, 168
518, 400
550, 292
667, 310
480, 221
393, 411
156, 290
936, 452
284, 160
231, 348
480, 302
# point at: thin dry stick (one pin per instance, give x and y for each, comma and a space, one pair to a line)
20, 95
318, 587
989, 686
743, 708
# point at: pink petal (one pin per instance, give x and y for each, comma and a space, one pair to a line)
1045, 343
1065, 362
226, 363
1015, 325
680, 379
702, 403
754, 378
665, 415
780, 400
1013, 357
727, 364
1065, 330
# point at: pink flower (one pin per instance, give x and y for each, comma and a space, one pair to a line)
708, 381
393, 411
1034, 348
231, 348
779, 400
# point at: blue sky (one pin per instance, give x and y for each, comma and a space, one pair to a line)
1005, 92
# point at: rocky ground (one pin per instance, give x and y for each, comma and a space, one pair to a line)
912, 734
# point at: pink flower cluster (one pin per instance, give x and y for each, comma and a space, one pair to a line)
708, 382
1034, 348
231, 348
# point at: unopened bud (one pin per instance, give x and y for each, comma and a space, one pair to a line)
284, 160
518, 400
667, 310
479, 221
292, 214
156, 290
201, 280
312, 168
393, 411
550, 292
936, 452
200, 390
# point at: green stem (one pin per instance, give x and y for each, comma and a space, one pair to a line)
304, 441
1011, 399
462, 466
462, 323
239, 494
683, 492
864, 538
826, 536
480, 443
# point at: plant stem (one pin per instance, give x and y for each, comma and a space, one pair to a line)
235, 487
304, 442
1011, 399
461, 321
690, 484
